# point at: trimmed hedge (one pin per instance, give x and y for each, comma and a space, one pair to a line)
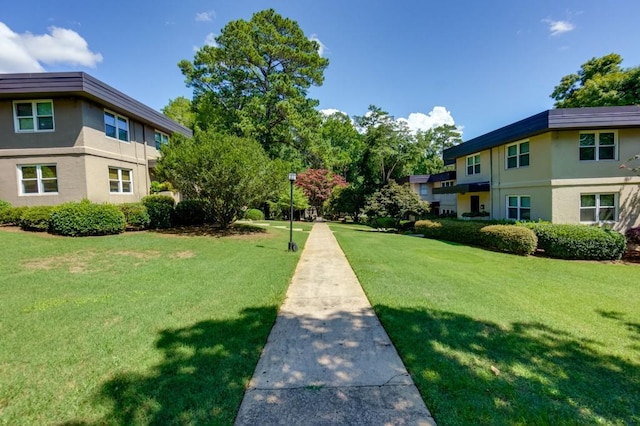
191, 212
160, 210
85, 218
578, 241
36, 218
510, 238
11, 215
254, 214
383, 222
4, 204
135, 215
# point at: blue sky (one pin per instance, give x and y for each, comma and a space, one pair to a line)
480, 64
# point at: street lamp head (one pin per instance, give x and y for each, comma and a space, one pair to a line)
292, 177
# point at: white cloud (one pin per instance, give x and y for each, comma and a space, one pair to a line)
330, 111
418, 121
27, 52
559, 27
205, 16
322, 47
211, 40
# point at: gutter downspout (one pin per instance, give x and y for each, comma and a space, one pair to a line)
146, 160
491, 182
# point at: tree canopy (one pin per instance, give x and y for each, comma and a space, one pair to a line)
180, 111
599, 82
254, 82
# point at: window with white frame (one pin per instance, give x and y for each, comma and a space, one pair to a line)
519, 207
116, 126
600, 145
161, 139
447, 183
518, 155
38, 179
598, 208
120, 181
423, 189
33, 116
473, 164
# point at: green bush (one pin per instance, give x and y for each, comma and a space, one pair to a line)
36, 218
578, 241
510, 238
459, 231
191, 212
160, 210
429, 228
383, 222
84, 218
135, 215
11, 215
254, 214
4, 204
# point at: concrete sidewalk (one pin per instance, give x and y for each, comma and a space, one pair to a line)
328, 360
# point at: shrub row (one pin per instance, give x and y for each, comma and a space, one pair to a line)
578, 241
507, 238
84, 218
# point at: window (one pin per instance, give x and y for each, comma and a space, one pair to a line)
518, 155
519, 207
38, 179
447, 183
473, 164
116, 126
120, 181
161, 139
423, 189
33, 116
595, 146
598, 208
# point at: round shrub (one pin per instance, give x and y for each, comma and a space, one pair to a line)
160, 210
191, 212
578, 241
429, 228
510, 238
136, 216
383, 222
11, 215
254, 214
4, 204
86, 218
36, 218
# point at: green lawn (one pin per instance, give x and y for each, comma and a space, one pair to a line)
138, 328
491, 338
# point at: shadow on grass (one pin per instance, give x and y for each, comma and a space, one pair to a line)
473, 372
237, 229
201, 378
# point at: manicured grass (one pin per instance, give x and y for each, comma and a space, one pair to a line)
491, 338
139, 328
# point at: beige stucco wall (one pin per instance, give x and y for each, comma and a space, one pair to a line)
448, 202
464, 202
485, 169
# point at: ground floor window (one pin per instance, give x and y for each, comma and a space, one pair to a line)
519, 207
120, 180
38, 179
598, 208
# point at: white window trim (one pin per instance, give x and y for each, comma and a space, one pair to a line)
120, 191
597, 145
161, 133
517, 156
34, 109
117, 116
518, 207
466, 164
39, 179
597, 207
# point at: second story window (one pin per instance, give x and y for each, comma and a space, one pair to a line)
423, 189
116, 126
518, 155
447, 183
596, 146
473, 164
33, 116
161, 139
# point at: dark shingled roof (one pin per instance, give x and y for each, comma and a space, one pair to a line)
554, 119
16, 86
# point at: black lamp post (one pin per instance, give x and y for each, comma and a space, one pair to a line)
292, 246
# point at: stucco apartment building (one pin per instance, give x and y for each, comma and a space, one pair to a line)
561, 165
424, 186
68, 136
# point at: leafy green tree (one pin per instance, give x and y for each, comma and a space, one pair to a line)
229, 171
254, 83
599, 82
395, 201
339, 146
180, 111
345, 200
279, 207
432, 143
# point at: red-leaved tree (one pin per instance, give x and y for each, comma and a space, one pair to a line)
317, 185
